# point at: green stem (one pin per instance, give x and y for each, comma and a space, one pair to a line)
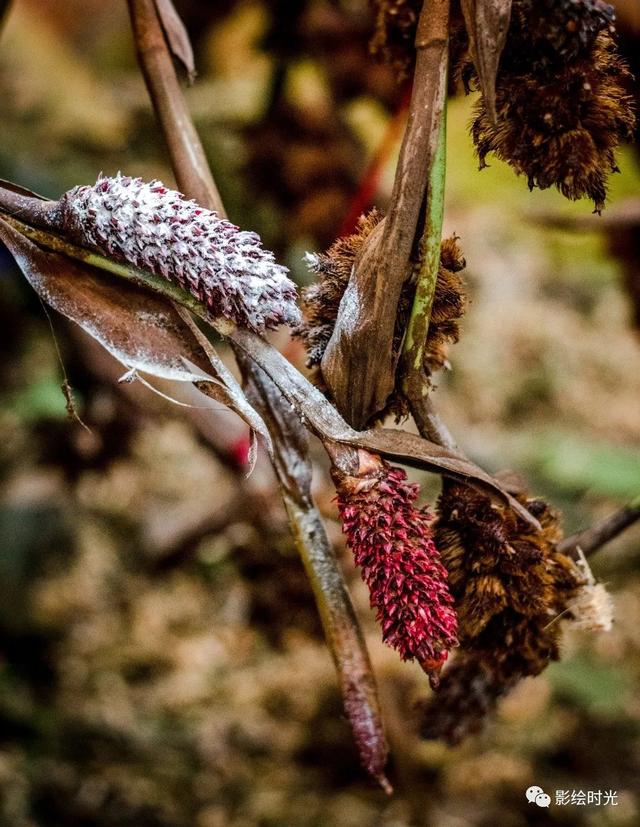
427, 275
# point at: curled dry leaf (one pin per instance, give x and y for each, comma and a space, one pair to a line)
487, 23
143, 331
323, 419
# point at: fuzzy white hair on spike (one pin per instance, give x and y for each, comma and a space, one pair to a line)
592, 607
157, 229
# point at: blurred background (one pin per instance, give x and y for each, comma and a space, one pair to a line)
161, 660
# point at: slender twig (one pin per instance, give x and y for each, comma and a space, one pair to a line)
431, 425
188, 160
593, 538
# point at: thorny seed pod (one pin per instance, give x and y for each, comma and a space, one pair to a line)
158, 229
550, 32
321, 302
562, 98
497, 564
392, 544
511, 586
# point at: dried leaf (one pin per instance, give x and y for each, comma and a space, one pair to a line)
177, 36
144, 332
487, 24
323, 419
141, 330
224, 387
9, 185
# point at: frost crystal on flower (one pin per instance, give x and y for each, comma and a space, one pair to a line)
159, 230
391, 542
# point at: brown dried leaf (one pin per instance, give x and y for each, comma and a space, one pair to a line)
225, 387
487, 24
9, 185
143, 331
323, 419
177, 36
415, 451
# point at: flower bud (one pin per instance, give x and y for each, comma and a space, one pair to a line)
159, 230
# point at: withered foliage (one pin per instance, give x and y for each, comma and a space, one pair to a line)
563, 98
510, 585
321, 301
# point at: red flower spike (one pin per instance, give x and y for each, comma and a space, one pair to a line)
392, 544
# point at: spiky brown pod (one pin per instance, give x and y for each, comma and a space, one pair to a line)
550, 32
321, 302
510, 585
158, 229
392, 544
562, 98
499, 568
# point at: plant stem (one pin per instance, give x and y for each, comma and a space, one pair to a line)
415, 383
593, 538
188, 160
427, 273
292, 464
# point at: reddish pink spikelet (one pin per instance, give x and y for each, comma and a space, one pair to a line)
391, 542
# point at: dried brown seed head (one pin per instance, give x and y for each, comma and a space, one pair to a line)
321, 303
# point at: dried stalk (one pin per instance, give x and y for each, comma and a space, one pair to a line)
188, 160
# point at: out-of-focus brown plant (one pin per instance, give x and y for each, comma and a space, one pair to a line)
133, 263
